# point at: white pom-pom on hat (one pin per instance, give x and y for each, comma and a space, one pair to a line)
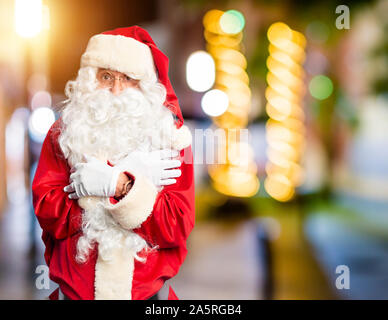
182, 138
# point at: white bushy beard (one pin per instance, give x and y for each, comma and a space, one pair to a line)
97, 123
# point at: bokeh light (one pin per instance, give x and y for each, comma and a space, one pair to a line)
229, 103
279, 187
41, 99
318, 32
40, 122
285, 129
278, 32
200, 71
214, 102
321, 87
28, 17
232, 22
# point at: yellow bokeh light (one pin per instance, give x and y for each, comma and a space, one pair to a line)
282, 78
233, 69
231, 83
239, 99
273, 93
280, 109
211, 21
281, 88
294, 125
279, 187
232, 120
289, 124
278, 132
282, 60
285, 130
299, 38
238, 176
228, 54
240, 154
277, 114
279, 30
221, 40
233, 181
291, 170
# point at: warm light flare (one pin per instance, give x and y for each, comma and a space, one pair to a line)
28, 17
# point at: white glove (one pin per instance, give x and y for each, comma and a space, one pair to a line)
158, 165
93, 178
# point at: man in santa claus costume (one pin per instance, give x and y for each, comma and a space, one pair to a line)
114, 187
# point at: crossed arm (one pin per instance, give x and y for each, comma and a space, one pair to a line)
163, 218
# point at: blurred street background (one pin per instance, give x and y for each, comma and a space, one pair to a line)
296, 93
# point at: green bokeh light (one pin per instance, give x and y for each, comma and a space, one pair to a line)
318, 32
321, 87
232, 22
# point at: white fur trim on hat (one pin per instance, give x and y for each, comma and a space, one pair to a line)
120, 53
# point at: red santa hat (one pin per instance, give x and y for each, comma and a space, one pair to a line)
132, 51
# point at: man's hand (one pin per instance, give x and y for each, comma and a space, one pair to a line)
93, 178
124, 184
159, 166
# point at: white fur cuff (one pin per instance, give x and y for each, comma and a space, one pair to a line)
131, 211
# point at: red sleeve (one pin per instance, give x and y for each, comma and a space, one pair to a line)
57, 214
173, 215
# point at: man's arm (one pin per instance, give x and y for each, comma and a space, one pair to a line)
173, 216
57, 214
165, 218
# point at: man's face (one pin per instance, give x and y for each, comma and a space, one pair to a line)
115, 81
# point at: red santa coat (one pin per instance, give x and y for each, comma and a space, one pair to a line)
166, 223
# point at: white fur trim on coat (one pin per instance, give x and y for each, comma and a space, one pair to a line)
182, 138
120, 53
113, 278
131, 211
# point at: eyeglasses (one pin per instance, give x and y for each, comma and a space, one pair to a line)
107, 79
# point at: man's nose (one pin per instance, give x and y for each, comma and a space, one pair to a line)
116, 88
